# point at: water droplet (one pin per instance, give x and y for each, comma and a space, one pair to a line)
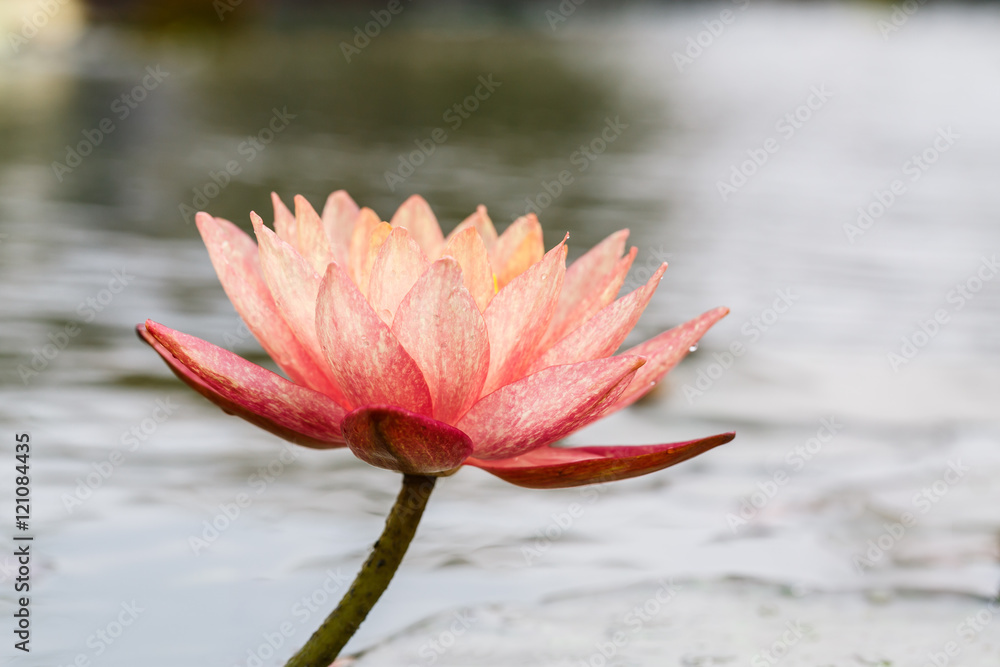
693, 347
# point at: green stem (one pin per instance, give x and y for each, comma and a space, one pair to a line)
325, 644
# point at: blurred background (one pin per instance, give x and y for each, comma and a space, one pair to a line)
828, 171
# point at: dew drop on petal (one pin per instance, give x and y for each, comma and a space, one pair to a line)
693, 347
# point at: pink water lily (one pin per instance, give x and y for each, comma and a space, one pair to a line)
423, 353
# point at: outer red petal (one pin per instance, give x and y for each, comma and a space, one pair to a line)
287, 410
395, 439
555, 468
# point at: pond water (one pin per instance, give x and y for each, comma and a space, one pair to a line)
860, 498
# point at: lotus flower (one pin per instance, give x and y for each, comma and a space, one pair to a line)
423, 353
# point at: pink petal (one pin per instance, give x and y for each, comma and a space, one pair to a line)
416, 216
556, 468
364, 246
520, 246
601, 335
284, 221
518, 316
339, 215
395, 439
468, 249
541, 408
367, 361
398, 265
234, 256
312, 241
439, 324
482, 223
592, 282
293, 284
290, 411
664, 352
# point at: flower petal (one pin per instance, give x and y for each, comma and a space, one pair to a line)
416, 216
439, 324
284, 221
601, 335
366, 360
267, 400
518, 316
235, 258
664, 352
292, 281
395, 439
483, 225
520, 246
468, 248
312, 241
339, 215
559, 468
541, 408
398, 265
592, 282
367, 236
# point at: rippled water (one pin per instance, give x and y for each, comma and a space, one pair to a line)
545, 590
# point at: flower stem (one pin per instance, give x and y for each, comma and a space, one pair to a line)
374, 577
